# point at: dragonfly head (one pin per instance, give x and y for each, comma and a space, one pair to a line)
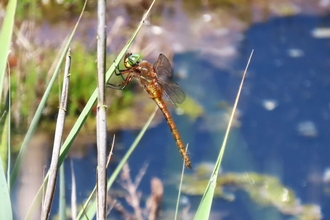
132, 59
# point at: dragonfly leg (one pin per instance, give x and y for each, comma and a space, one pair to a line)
119, 72
121, 85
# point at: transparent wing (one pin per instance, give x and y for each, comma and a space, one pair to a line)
163, 66
172, 92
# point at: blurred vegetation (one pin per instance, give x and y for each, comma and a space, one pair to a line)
31, 65
49, 9
55, 11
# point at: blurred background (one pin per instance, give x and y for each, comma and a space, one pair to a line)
281, 129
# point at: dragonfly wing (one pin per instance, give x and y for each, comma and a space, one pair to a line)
172, 92
163, 66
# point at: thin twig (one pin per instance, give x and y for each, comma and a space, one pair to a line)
111, 150
133, 199
57, 141
121, 209
141, 174
155, 200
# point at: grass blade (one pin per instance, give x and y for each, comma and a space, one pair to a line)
4, 141
179, 191
203, 211
5, 202
5, 39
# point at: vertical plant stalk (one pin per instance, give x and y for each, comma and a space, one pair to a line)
101, 127
49, 195
204, 208
8, 134
179, 191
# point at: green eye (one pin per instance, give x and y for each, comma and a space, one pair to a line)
132, 60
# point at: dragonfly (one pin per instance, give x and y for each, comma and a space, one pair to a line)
153, 79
